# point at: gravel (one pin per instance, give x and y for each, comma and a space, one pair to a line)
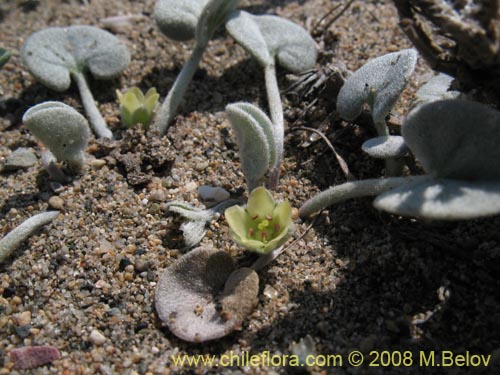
356, 279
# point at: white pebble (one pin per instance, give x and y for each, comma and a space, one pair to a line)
97, 338
212, 195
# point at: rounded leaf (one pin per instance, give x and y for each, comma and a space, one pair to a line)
242, 27
214, 14
385, 147
254, 133
52, 54
289, 43
63, 130
455, 139
377, 83
442, 199
177, 19
202, 297
437, 88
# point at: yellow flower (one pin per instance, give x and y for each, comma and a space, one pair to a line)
137, 108
263, 225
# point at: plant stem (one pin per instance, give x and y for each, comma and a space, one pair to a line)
354, 189
266, 259
95, 117
382, 129
276, 111
174, 97
393, 166
16, 236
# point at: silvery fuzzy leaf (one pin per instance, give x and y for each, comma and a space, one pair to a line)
190, 212
254, 133
442, 199
193, 232
52, 54
242, 27
455, 139
378, 83
187, 294
289, 43
19, 234
63, 130
177, 19
385, 147
437, 88
212, 16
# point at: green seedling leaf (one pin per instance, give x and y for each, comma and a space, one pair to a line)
378, 83
63, 130
255, 137
268, 37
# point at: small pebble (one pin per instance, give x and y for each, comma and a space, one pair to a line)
56, 202
98, 163
212, 195
97, 338
33, 356
270, 292
141, 265
20, 159
22, 319
56, 187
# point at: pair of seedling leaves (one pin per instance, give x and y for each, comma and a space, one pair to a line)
456, 142
57, 55
269, 39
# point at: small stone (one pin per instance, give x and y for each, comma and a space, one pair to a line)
20, 159
141, 265
201, 166
33, 356
98, 163
270, 292
212, 195
97, 338
22, 319
56, 186
157, 196
56, 202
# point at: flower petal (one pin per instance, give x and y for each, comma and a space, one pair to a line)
282, 215
137, 93
260, 202
238, 221
130, 101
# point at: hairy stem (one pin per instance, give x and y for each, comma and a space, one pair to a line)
393, 166
354, 189
15, 237
276, 111
95, 117
174, 97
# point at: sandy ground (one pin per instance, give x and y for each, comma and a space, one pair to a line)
357, 279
